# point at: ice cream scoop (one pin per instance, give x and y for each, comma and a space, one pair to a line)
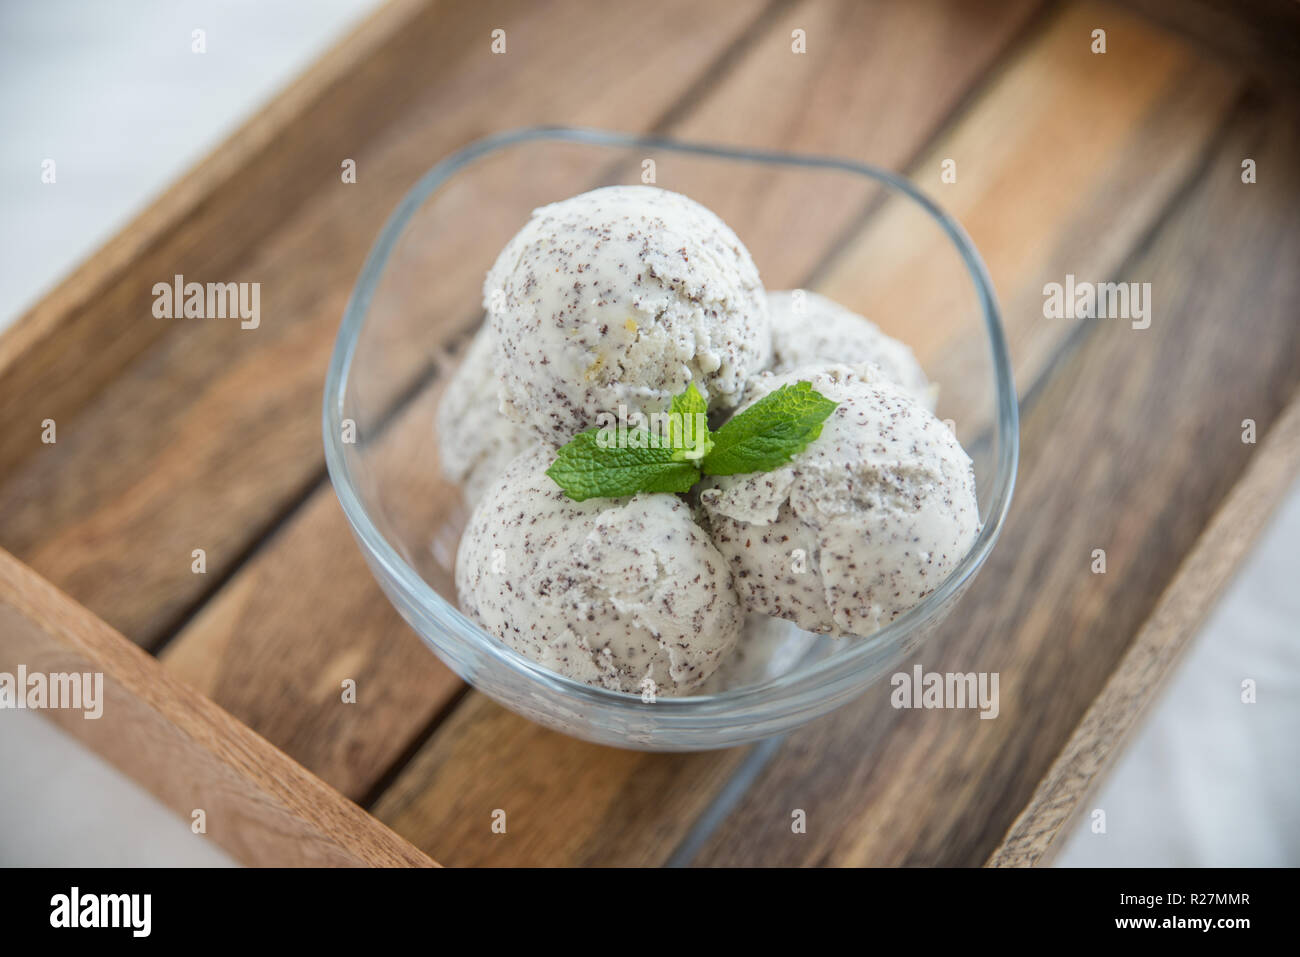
621, 297
767, 648
475, 441
627, 594
809, 330
862, 524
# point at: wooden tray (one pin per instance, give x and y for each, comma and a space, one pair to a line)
174, 435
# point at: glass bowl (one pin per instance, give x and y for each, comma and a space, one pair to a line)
862, 235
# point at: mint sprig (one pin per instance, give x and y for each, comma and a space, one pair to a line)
675, 456
688, 426
586, 470
770, 432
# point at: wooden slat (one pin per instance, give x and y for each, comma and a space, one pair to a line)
1106, 194
566, 802
258, 804
1131, 448
213, 432
86, 332
275, 646
288, 628
858, 56
1054, 175
1117, 712
1094, 224
225, 651
1259, 36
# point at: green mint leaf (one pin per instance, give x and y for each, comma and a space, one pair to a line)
586, 469
688, 426
669, 456
770, 432
689, 402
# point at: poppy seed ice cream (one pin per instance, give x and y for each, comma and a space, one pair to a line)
619, 298
809, 330
475, 441
612, 592
862, 524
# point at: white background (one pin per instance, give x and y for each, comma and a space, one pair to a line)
113, 94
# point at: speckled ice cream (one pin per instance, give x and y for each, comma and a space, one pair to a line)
475, 441
621, 297
810, 330
881, 507
768, 647
607, 591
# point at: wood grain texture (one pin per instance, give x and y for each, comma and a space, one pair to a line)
1067, 163
81, 336
566, 802
1132, 690
1260, 37
213, 432
249, 638
1131, 446
275, 646
259, 805
1039, 198
907, 67
1176, 104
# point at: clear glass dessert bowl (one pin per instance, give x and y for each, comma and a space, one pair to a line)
861, 235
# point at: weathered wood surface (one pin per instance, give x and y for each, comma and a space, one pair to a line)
1176, 102
256, 802
208, 437
184, 435
1133, 689
1130, 446
257, 635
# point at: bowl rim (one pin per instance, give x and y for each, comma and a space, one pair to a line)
828, 677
